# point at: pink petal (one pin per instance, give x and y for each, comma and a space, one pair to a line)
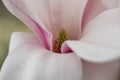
34, 13
93, 8
67, 14
19, 38
106, 71
111, 3
100, 41
29, 61
43, 17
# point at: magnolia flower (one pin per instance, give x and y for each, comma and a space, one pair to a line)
72, 40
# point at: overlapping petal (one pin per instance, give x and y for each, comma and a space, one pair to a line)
29, 61
93, 8
67, 14
47, 17
28, 14
100, 41
19, 38
111, 3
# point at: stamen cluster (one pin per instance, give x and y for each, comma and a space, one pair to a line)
59, 41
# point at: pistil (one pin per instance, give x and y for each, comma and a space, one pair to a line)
59, 41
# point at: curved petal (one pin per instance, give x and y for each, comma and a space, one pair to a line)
19, 38
36, 19
93, 8
100, 41
43, 16
66, 14
111, 3
106, 71
29, 61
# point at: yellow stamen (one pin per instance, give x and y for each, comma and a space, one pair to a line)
58, 43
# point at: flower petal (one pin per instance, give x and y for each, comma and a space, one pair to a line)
93, 8
31, 62
36, 19
19, 38
111, 3
67, 14
100, 41
106, 71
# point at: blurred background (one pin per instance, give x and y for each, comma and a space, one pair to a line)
8, 25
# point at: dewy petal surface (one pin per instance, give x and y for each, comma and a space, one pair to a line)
100, 41
29, 61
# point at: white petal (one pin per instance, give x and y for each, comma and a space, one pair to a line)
31, 62
106, 71
100, 41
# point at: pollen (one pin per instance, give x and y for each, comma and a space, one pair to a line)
59, 41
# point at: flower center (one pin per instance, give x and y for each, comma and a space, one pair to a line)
59, 41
